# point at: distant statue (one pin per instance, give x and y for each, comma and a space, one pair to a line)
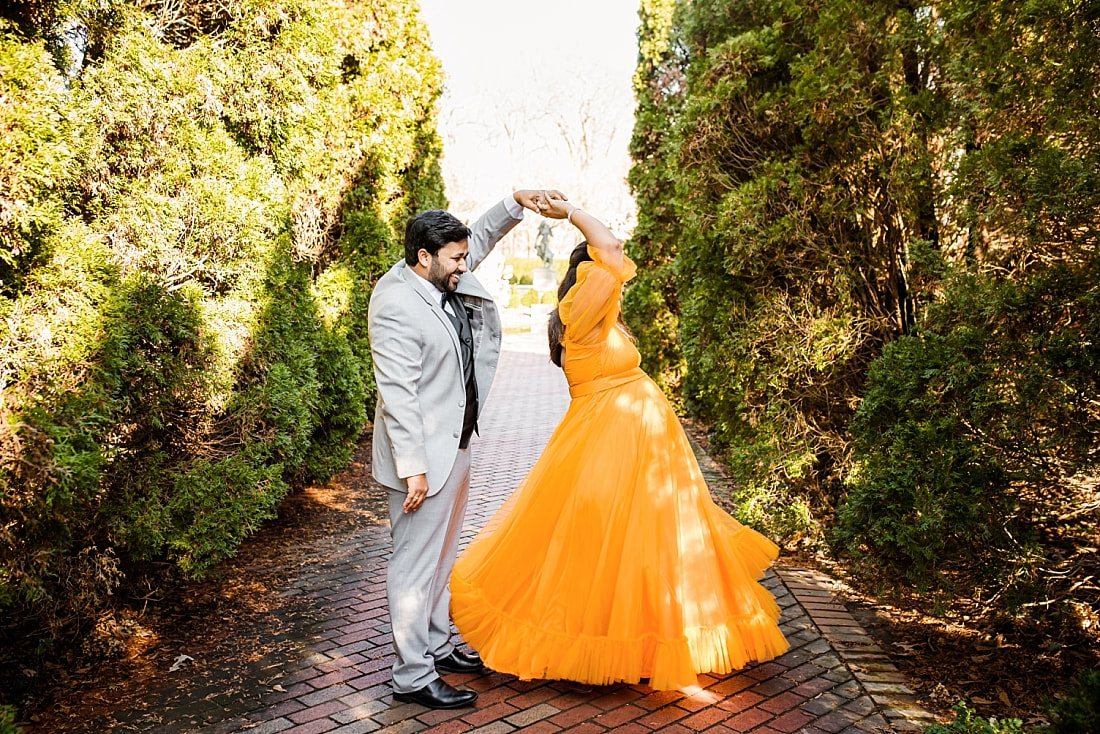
542, 244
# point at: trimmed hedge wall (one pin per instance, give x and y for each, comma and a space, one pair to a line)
868, 235
194, 203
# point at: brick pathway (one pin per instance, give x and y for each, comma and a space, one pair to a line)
332, 672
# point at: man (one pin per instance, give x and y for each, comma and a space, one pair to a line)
435, 338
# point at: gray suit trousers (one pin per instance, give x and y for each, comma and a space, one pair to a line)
418, 578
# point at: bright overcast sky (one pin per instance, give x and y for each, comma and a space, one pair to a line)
537, 94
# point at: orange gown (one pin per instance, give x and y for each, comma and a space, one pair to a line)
610, 561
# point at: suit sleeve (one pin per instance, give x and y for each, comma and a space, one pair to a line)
487, 231
398, 357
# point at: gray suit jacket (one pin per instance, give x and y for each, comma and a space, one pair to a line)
418, 364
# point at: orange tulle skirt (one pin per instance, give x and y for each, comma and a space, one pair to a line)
610, 562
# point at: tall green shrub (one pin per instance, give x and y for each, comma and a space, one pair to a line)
791, 234
868, 233
651, 304
194, 207
1020, 286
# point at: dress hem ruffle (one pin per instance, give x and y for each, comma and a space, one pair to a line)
524, 649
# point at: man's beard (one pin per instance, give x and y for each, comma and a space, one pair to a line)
439, 277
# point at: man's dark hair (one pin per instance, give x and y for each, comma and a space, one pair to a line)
430, 231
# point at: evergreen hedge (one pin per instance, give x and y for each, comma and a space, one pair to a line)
193, 208
868, 232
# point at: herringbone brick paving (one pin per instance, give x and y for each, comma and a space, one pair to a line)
329, 671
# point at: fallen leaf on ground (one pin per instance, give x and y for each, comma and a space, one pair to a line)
179, 663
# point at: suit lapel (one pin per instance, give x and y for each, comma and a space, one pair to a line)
435, 309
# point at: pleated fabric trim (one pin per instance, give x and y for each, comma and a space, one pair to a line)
511, 645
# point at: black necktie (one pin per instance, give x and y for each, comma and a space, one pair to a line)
456, 320
462, 330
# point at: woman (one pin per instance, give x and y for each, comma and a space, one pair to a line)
610, 562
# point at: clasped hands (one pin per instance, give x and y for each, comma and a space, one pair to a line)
547, 202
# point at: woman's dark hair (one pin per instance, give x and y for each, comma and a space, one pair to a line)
555, 330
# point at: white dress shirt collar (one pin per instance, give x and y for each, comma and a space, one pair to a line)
434, 294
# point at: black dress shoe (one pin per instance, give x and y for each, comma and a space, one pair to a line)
460, 662
438, 695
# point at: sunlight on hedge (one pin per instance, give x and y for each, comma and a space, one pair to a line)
191, 215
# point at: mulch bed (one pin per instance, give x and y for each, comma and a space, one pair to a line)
1001, 665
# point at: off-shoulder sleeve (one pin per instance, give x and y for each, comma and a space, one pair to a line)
591, 306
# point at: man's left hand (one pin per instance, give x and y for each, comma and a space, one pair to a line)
417, 486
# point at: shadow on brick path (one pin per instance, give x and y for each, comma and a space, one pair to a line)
328, 652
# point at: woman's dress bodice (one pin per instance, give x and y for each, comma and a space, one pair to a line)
597, 352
